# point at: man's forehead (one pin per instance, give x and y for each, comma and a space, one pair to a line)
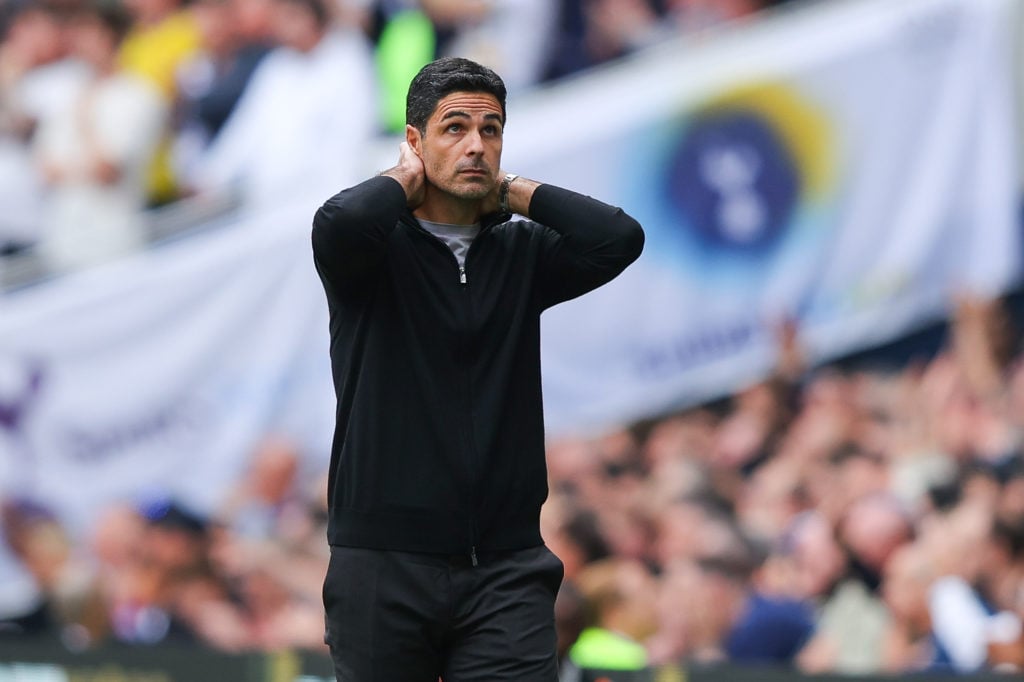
468, 102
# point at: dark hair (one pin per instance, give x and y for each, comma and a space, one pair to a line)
444, 76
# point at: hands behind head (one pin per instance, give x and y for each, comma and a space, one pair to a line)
411, 174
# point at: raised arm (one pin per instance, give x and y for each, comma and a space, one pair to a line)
592, 241
351, 229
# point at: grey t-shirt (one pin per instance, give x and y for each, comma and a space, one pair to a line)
457, 237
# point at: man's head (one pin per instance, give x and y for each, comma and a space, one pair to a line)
444, 76
455, 115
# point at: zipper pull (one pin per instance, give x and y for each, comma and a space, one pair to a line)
462, 274
472, 556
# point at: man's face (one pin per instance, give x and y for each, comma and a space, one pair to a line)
461, 148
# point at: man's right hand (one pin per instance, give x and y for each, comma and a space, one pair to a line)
410, 174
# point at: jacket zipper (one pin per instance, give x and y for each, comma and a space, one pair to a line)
471, 450
474, 455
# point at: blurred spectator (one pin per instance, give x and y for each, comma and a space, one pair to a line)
577, 540
23, 608
171, 553
592, 32
910, 642
852, 616
70, 609
92, 152
872, 529
163, 36
570, 621
405, 40
510, 36
210, 82
34, 82
619, 597
261, 504
690, 16
302, 126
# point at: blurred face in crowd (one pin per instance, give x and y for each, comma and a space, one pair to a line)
253, 19
295, 25
148, 12
36, 37
873, 529
93, 42
461, 145
819, 559
216, 23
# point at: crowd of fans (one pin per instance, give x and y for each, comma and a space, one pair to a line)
112, 107
854, 518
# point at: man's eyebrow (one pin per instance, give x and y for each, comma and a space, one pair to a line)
456, 113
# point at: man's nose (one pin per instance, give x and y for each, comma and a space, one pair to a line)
474, 143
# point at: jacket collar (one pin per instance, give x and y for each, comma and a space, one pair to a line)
486, 221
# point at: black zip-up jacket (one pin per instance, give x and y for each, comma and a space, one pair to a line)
439, 442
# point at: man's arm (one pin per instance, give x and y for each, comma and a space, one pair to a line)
594, 243
351, 229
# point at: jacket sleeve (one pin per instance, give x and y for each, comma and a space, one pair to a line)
351, 229
591, 242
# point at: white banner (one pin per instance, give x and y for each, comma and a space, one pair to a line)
850, 166
160, 374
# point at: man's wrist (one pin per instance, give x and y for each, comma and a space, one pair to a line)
409, 180
506, 183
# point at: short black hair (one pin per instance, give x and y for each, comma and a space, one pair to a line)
444, 76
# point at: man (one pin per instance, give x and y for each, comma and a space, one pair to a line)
437, 471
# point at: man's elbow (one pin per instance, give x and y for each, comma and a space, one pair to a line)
321, 223
632, 238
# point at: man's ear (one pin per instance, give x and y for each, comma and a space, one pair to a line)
415, 139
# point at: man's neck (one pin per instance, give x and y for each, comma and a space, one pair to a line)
438, 207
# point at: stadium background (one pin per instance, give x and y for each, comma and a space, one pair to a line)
788, 436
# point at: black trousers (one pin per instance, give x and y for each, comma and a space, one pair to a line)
410, 617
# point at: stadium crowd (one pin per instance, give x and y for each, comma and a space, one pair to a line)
854, 518
112, 107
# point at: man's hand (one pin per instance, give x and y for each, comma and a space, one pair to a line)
410, 174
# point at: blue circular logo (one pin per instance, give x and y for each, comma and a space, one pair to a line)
734, 180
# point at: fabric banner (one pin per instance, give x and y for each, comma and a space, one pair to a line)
159, 375
849, 167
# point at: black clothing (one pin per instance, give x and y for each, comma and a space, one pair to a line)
403, 617
439, 443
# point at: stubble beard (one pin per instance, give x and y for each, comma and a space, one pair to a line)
468, 190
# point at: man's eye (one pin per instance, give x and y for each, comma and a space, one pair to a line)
454, 128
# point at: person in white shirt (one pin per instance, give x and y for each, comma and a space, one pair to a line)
34, 79
93, 152
304, 121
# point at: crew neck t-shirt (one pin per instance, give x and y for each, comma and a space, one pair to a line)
457, 237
